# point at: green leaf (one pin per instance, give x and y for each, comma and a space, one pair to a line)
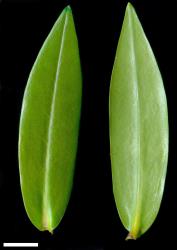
49, 126
138, 129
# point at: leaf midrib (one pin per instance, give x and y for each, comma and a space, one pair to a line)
135, 227
46, 213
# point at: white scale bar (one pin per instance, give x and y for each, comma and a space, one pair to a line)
20, 244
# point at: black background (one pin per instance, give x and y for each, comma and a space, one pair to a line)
91, 220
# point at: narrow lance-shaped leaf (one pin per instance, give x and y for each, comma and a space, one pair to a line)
138, 129
49, 126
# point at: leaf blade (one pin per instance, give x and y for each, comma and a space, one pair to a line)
138, 128
47, 142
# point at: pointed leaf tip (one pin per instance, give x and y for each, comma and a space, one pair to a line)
68, 8
130, 9
129, 6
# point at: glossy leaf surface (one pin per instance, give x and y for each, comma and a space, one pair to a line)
138, 129
49, 126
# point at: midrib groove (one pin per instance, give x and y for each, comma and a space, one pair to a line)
46, 214
137, 213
